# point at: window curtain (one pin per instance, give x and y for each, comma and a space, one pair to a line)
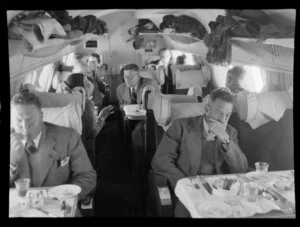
276, 81
45, 78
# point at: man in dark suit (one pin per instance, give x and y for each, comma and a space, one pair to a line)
48, 154
201, 145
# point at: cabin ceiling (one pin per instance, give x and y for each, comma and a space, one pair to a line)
282, 17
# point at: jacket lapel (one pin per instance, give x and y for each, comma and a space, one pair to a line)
126, 95
194, 141
48, 156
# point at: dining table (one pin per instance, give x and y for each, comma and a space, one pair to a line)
49, 207
229, 195
134, 112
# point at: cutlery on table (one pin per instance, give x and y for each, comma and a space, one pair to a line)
193, 180
46, 212
206, 185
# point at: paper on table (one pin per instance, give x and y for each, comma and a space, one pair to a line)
133, 110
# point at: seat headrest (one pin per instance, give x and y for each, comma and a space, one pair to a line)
187, 77
195, 91
67, 116
258, 109
149, 74
49, 99
167, 108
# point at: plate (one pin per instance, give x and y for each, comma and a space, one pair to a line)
215, 209
260, 177
64, 191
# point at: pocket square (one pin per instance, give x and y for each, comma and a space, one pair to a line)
64, 161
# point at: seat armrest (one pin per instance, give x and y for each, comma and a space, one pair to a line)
87, 204
159, 202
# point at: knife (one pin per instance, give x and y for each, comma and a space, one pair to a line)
46, 212
206, 185
280, 200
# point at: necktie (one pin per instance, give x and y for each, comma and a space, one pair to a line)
30, 147
133, 94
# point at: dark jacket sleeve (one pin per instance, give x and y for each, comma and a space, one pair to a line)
82, 172
233, 155
167, 154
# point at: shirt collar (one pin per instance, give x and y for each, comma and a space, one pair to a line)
205, 125
36, 140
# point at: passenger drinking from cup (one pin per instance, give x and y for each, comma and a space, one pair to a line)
204, 145
47, 154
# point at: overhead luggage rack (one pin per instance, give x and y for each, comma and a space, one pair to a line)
58, 45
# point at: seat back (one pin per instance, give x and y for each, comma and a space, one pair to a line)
187, 76
68, 116
272, 142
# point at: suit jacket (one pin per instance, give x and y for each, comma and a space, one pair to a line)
179, 153
55, 145
123, 92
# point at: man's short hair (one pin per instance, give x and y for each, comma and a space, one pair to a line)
237, 72
94, 55
222, 93
26, 98
133, 67
162, 50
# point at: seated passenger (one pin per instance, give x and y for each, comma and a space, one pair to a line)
235, 78
201, 145
47, 154
130, 91
165, 76
81, 66
94, 123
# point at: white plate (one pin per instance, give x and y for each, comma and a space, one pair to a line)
214, 209
64, 191
260, 177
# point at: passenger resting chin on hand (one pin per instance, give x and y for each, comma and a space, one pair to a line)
201, 145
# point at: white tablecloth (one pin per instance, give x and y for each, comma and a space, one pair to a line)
52, 206
134, 112
193, 198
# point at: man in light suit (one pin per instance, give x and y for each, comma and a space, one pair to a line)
130, 92
48, 154
201, 145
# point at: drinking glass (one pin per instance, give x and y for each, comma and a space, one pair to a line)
261, 167
22, 186
251, 192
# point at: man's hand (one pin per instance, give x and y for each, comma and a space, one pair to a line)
16, 148
106, 111
219, 130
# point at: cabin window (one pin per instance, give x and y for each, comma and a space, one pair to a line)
46, 76
254, 79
